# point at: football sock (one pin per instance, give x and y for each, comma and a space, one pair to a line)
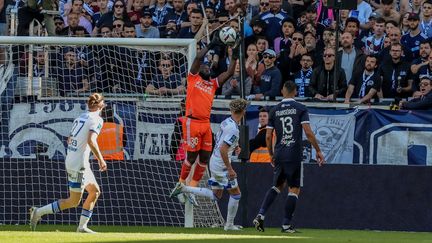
200, 168
290, 205
185, 169
199, 191
268, 200
232, 208
49, 209
85, 217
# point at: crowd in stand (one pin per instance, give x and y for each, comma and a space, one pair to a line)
385, 45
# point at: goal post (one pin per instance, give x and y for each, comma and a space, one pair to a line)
39, 77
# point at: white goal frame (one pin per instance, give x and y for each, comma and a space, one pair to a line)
190, 44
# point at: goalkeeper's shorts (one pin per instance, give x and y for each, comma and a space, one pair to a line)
78, 180
197, 135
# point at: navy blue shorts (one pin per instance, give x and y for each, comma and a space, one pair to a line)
287, 171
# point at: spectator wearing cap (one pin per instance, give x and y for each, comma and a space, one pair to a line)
159, 11
166, 82
196, 18
145, 28
350, 58
118, 13
321, 85
179, 14
426, 18
170, 29
134, 9
424, 101
362, 13
387, 11
271, 78
412, 39
273, 19
77, 7
103, 9
258, 28
395, 75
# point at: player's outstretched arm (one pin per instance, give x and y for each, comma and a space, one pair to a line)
92, 142
197, 61
223, 77
311, 137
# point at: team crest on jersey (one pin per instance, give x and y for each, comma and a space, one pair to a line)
233, 139
193, 142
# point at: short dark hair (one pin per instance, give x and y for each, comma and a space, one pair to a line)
380, 20
352, 20
425, 42
308, 55
372, 56
197, 11
128, 25
387, 2
110, 27
290, 86
391, 21
262, 109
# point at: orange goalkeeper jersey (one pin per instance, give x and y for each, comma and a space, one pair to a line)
199, 96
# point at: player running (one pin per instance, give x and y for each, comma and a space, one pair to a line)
223, 174
197, 132
82, 139
288, 118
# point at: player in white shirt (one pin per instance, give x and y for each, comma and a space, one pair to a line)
82, 140
223, 175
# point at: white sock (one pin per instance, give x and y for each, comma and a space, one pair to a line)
48, 209
200, 191
232, 208
85, 217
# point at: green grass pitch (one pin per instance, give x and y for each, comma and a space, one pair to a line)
65, 233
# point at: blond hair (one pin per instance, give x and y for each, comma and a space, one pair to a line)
95, 101
238, 105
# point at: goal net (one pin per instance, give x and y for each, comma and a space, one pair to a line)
44, 83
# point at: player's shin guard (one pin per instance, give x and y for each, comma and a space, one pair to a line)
199, 171
185, 170
232, 208
268, 200
85, 217
290, 205
49, 209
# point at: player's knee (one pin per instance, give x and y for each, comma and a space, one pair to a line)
217, 195
205, 157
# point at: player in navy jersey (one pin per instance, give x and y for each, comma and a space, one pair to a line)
288, 119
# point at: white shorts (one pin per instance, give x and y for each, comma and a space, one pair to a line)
219, 179
78, 180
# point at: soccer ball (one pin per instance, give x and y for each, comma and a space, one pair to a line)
228, 35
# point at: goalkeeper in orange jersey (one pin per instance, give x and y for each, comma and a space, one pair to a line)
197, 133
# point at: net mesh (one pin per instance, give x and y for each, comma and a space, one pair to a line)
44, 88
